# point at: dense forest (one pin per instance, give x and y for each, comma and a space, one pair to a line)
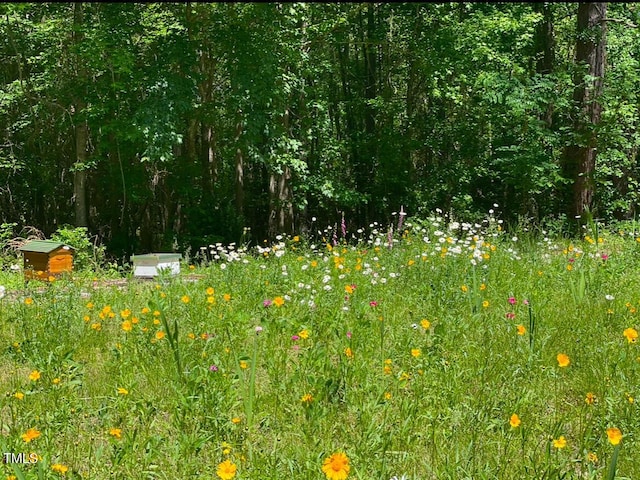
175, 125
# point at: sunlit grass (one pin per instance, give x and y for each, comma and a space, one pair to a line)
411, 357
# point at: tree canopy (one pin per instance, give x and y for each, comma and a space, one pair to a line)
163, 125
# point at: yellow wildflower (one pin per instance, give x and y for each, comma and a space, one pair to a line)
336, 467
514, 421
59, 468
631, 334
614, 435
560, 442
226, 470
30, 435
563, 360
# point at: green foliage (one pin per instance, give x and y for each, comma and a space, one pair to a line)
196, 111
88, 255
7, 233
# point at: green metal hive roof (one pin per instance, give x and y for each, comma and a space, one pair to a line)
159, 257
43, 246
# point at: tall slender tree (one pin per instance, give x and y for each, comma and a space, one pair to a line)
580, 158
79, 168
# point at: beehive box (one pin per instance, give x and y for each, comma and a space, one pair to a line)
46, 258
152, 264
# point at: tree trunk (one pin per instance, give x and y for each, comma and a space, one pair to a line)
580, 157
209, 162
81, 129
545, 39
545, 49
366, 169
239, 173
201, 133
80, 176
280, 205
281, 194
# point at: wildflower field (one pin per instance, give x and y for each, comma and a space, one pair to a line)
429, 351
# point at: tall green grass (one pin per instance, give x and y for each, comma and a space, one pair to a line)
409, 357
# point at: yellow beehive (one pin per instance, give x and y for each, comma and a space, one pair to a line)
46, 258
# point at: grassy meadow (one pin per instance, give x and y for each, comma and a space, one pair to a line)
434, 352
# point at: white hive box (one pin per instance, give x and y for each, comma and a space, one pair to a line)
151, 264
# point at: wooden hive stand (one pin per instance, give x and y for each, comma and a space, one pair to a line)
46, 258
